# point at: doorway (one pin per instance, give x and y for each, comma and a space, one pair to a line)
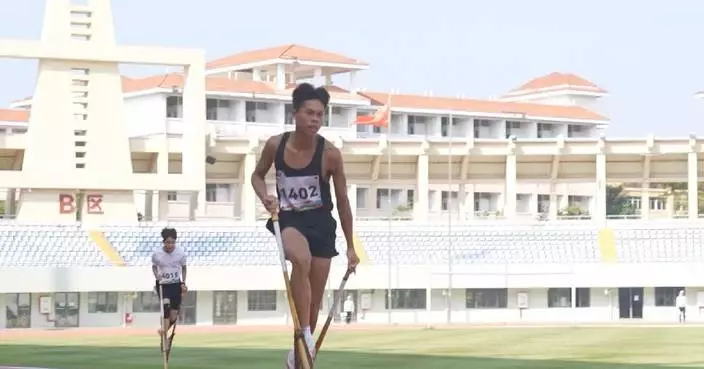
67, 306
187, 314
338, 313
18, 310
630, 302
224, 307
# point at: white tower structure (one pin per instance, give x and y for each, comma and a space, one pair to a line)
77, 146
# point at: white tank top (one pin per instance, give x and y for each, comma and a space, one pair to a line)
169, 265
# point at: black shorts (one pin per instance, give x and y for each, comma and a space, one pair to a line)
320, 230
172, 292
682, 309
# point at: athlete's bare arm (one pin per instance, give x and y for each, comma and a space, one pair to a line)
184, 269
155, 268
336, 169
263, 166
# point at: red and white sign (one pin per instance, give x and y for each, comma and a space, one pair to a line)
94, 203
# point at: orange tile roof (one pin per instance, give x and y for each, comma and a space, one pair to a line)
222, 84
484, 106
291, 51
334, 91
14, 115
558, 80
213, 84
218, 84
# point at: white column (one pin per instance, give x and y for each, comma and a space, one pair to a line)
162, 158
469, 202
645, 200
420, 210
600, 198
692, 186
463, 205
281, 76
352, 196
248, 197
510, 187
554, 204
149, 205
352, 86
163, 205
645, 189
198, 205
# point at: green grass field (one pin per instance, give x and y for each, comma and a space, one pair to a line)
403, 348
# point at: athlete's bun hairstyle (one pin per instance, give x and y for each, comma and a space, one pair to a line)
168, 233
305, 92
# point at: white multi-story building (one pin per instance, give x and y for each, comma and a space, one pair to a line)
248, 95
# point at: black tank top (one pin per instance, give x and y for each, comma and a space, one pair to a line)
306, 189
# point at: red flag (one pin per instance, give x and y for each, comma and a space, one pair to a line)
380, 118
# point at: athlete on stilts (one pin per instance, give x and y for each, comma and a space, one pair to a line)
305, 162
169, 268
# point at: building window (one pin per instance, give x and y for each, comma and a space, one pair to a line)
251, 109
416, 125
146, 302
174, 107
102, 302
385, 195
583, 298
18, 310
214, 106
546, 130
634, 202
362, 193
224, 307
486, 298
482, 128
559, 297
448, 200
576, 131
665, 296
406, 299
218, 192
658, 203
288, 114
178, 196
410, 198
513, 128
261, 300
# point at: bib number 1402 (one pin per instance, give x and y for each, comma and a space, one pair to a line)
301, 193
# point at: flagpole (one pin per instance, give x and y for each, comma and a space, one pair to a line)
388, 174
449, 220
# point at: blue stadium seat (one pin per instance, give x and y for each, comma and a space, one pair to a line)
65, 246
47, 246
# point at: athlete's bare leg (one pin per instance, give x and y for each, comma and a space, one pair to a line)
319, 271
298, 252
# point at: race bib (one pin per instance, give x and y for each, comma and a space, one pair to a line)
298, 193
170, 276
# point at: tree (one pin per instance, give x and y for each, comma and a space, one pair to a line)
617, 203
679, 193
573, 211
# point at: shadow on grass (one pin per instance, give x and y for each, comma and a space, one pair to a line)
92, 357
